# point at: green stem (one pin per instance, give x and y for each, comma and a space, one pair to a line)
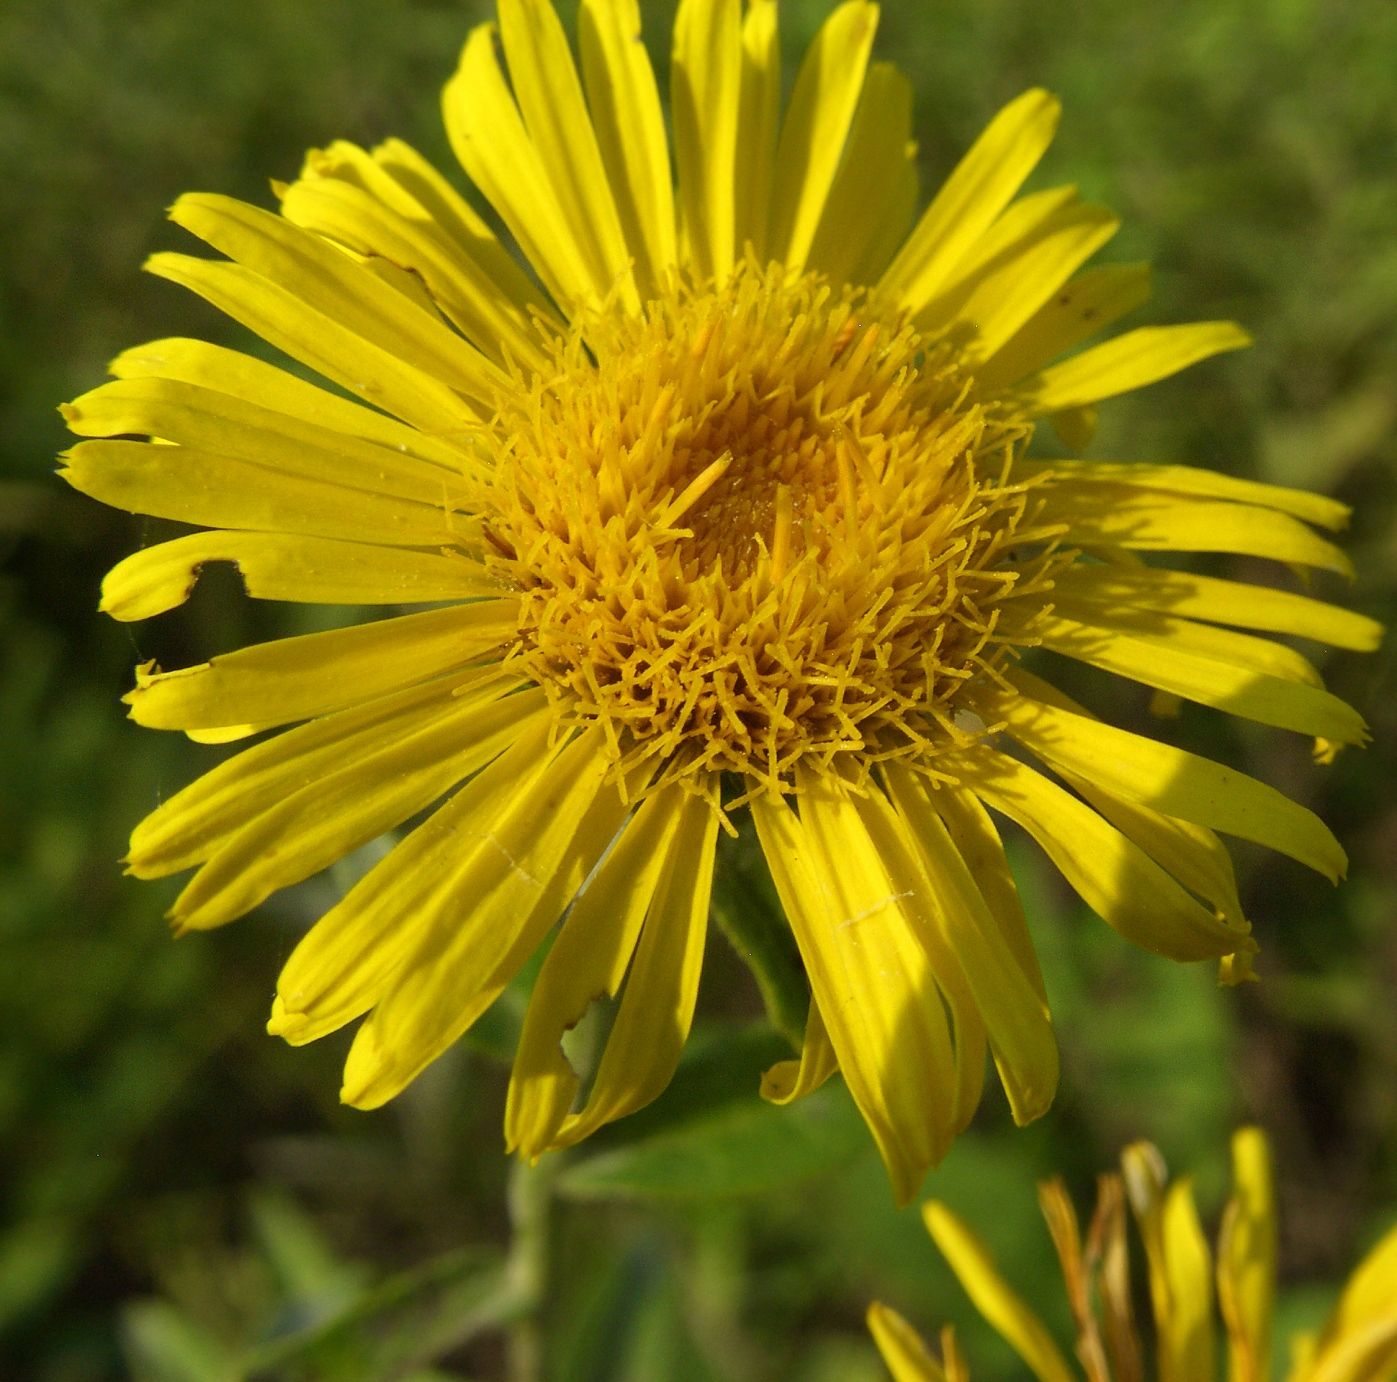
530, 1199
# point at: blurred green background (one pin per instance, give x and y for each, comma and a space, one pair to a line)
181, 1196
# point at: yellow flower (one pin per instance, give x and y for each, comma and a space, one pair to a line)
1358, 1343
720, 507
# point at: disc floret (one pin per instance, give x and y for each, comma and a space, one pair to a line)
758, 526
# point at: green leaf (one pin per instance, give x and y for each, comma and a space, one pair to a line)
746, 909
161, 1345
750, 1148
407, 1321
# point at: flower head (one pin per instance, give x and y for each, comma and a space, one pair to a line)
720, 505
1358, 1343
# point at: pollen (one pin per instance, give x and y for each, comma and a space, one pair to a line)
760, 526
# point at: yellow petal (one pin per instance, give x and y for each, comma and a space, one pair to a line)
874, 192
225, 425
1013, 1010
314, 674
1114, 877
977, 841
550, 100
981, 186
657, 1005
191, 485
817, 123
934, 906
1186, 1335
1116, 515
343, 964
331, 283
869, 974
1009, 293
1080, 308
788, 1080
758, 115
510, 886
1192, 854
481, 309
275, 566
906, 1356
587, 962
357, 363
243, 376
488, 136
1191, 596
1247, 1259
1171, 780
705, 101
184, 829
630, 129
1359, 1340
1318, 509
992, 1296
1128, 362
1167, 662
328, 817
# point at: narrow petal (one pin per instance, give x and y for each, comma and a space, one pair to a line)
869, 974
657, 1005
1012, 290
276, 566
1190, 596
488, 136
1186, 1335
705, 101
225, 425
981, 186
1262, 655
357, 363
1318, 509
1110, 515
325, 819
1113, 876
191, 485
550, 99
483, 310
512, 885
1077, 310
977, 841
1128, 362
184, 829
1014, 1013
343, 964
315, 674
243, 376
1168, 663
906, 1356
435, 200
789, 1080
816, 126
630, 129
331, 283
874, 192
1191, 853
587, 962
992, 1296
1247, 1259
759, 113
1170, 780
905, 860
1359, 1340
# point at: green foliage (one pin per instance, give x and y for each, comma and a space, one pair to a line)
183, 1201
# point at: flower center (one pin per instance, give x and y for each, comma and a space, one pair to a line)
754, 526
